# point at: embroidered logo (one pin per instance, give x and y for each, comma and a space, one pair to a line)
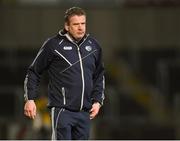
67, 48
88, 48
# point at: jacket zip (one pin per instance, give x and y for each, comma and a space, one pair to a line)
64, 95
82, 71
82, 75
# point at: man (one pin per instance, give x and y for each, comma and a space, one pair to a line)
73, 60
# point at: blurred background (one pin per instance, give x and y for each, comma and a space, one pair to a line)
140, 40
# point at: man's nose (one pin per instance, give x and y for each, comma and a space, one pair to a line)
80, 26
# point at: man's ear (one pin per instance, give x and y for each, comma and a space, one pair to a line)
66, 27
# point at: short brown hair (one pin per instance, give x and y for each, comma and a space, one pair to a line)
73, 11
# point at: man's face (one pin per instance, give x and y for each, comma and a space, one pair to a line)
76, 26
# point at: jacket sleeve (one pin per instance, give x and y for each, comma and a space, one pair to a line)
98, 80
35, 70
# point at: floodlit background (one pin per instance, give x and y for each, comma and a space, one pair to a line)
141, 42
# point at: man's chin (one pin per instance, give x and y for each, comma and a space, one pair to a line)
79, 38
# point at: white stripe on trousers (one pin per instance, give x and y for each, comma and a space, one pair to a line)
54, 129
53, 137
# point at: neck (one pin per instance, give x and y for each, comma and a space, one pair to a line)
73, 39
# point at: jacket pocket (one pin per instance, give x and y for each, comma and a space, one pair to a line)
63, 57
64, 95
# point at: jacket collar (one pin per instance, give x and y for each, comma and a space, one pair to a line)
64, 33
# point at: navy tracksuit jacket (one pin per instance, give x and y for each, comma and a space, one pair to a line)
76, 73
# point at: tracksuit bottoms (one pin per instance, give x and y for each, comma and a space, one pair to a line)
69, 125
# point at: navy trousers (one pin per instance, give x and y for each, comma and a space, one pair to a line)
69, 125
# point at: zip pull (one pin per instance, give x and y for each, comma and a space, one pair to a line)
64, 95
78, 48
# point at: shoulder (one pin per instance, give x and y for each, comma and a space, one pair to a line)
53, 39
92, 39
94, 42
51, 42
